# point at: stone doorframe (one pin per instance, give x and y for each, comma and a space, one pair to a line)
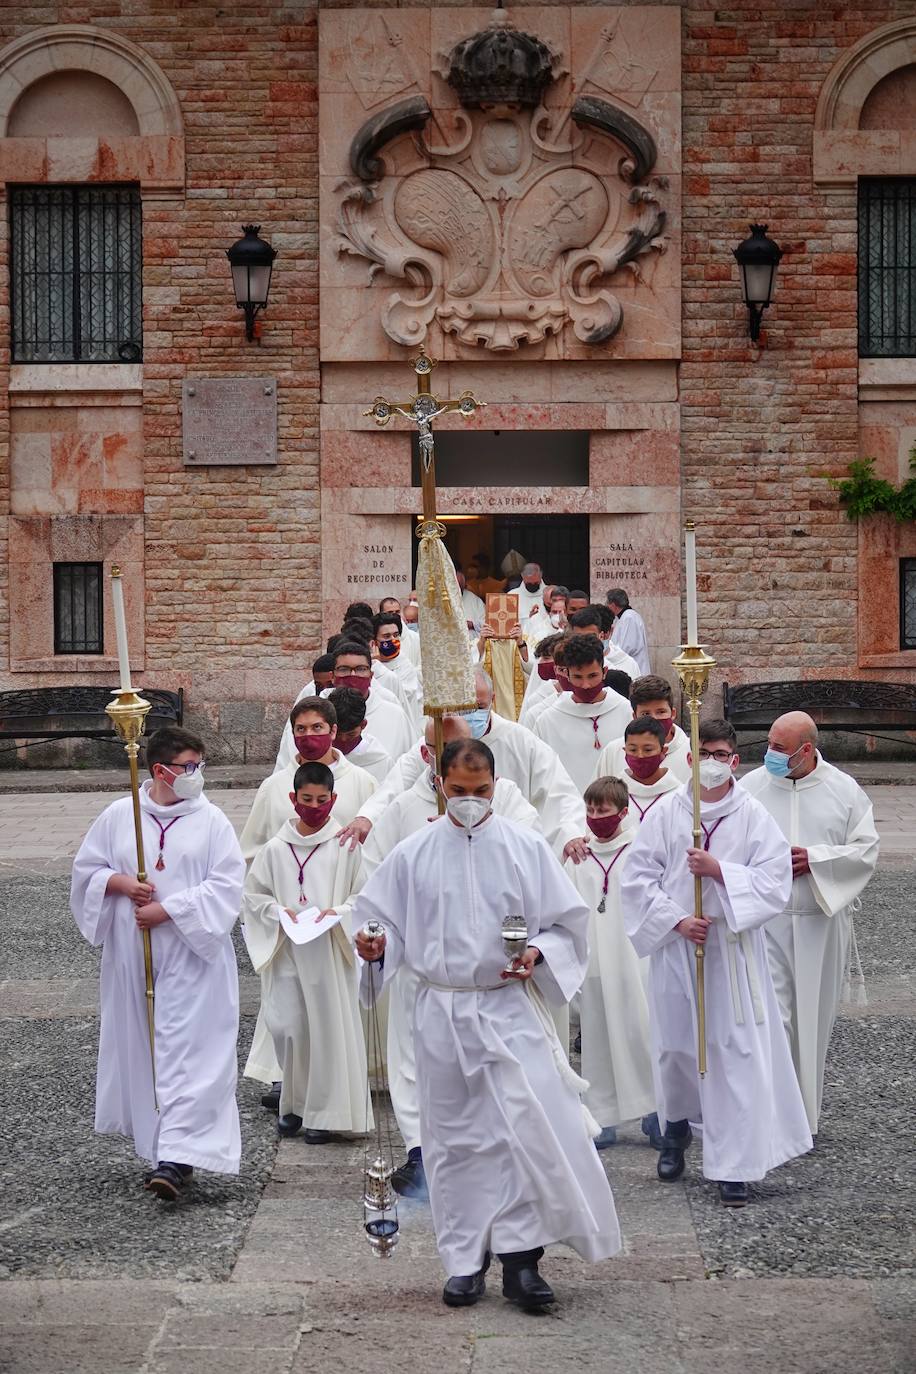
368, 504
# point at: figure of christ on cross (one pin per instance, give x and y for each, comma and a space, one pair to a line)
422, 410
447, 681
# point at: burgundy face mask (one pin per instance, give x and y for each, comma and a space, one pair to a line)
588, 694
644, 768
604, 827
668, 722
359, 684
564, 681
346, 746
547, 671
311, 748
314, 815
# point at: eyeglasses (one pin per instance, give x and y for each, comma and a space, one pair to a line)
720, 755
189, 769
362, 671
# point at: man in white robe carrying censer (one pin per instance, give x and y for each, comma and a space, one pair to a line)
508, 1153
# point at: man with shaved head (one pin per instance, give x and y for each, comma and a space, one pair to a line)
828, 821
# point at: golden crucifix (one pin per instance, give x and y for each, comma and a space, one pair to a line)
423, 409
448, 684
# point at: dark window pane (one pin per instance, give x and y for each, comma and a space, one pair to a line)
908, 603
78, 608
887, 267
75, 265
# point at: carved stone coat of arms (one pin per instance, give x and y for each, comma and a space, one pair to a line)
512, 226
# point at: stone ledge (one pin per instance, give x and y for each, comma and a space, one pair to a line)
81, 381
887, 379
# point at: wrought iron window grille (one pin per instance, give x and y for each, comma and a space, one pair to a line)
908, 603
887, 267
75, 274
78, 622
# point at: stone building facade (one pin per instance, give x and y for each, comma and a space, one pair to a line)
563, 245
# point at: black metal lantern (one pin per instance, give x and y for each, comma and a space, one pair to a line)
251, 260
758, 257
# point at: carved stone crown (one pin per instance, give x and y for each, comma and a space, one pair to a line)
500, 66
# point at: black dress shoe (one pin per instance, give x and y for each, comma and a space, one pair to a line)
410, 1179
290, 1124
271, 1100
165, 1181
675, 1141
313, 1137
733, 1194
526, 1287
466, 1289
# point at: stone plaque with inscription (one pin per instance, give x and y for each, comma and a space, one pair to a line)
229, 421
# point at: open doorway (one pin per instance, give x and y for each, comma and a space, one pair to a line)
560, 543
515, 458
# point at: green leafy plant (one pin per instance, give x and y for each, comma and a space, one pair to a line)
863, 494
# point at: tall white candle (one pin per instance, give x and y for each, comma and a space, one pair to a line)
690, 541
117, 597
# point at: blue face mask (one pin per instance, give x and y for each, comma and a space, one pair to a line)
478, 721
779, 764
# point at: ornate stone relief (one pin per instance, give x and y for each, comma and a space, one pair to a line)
512, 225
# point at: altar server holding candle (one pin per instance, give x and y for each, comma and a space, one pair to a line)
189, 906
749, 1101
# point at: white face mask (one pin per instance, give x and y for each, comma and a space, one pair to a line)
468, 811
713, 774
188, 786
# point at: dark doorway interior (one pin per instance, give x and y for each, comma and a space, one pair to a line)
558, 542
508, 458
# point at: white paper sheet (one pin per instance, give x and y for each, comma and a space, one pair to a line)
306, 926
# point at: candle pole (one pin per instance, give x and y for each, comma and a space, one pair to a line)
693, 666
128, 712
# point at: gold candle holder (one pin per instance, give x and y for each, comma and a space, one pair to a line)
693, 666
128, 712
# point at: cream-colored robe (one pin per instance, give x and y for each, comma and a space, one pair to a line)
614, 1009
309, 991
808, 944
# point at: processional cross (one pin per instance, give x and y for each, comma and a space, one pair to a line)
422, 410
448, 683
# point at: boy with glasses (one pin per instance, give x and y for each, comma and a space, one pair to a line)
189, 903
749, 1101
386, 718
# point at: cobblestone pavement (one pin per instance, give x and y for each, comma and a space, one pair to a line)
270, 1271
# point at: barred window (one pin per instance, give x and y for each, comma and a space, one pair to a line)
908, 603
887, 267
75, 264
78, 608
